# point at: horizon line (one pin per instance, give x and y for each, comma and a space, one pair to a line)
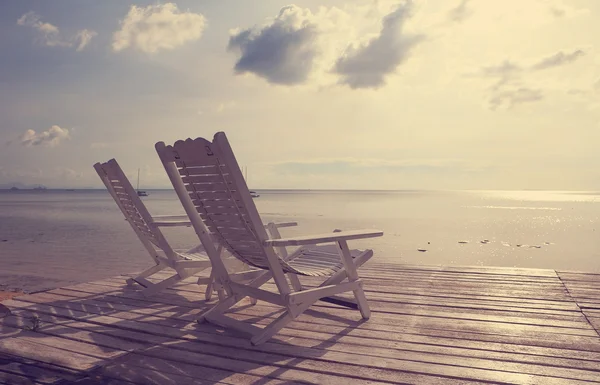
299, 189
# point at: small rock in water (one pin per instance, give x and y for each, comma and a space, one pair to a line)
422, 250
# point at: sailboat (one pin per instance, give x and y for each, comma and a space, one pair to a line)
253, 194
140, 193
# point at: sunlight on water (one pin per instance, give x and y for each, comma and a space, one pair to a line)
541, 196
515, 208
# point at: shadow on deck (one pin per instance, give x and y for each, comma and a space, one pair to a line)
430, 324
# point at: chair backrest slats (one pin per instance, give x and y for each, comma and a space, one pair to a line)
219, 193
132, 207
214, 194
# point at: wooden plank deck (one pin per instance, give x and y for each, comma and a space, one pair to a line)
430, 324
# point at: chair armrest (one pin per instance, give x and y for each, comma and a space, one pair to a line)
324, 238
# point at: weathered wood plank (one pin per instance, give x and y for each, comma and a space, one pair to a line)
15, 368
15, 379
429, 324
528, 325
38, 351
488, 270
141, 369
471, 331
132, 309
238, 341
325, 323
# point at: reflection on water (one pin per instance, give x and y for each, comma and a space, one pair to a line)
516, 208
82, 235
541, 196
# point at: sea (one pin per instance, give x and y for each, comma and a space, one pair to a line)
52, 238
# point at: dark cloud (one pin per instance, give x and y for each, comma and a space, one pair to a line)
460, 13
282, 52
366, 66
558, 59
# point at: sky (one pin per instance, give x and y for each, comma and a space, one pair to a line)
422, 94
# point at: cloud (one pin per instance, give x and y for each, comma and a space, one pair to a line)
50, 36
367, 65
511, 88
503, 72
282, 51
511, 97
50, 138
158, 27
460, 13
558, 59
84, 37
560, 10
66, 174
370, 166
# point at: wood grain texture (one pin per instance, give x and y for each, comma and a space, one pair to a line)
430, 324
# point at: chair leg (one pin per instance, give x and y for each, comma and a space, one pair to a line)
208, 292
225, 304
341, 274
219, 308
146, 273
295, 281
272, 329
352, 274
209, 286
279, 323
155, 288
363, 304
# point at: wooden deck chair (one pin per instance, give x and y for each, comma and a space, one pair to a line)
147, 227
214, 194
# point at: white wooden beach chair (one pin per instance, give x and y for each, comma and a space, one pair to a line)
214, 194
147, 227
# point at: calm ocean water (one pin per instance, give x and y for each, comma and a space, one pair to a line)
51, 238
